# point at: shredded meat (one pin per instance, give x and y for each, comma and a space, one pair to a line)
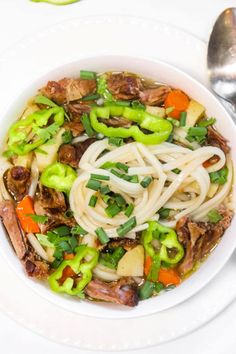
17, 182
126, 243
124, 86
199, 238
154, 96
67, 90
117, 122
214, 138
71, 154
34, 266
51, 203
123, 292
76, 128
77, 109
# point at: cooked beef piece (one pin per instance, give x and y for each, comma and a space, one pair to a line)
52, 203
123, 292
126, 243
76, 128
67, 90
17, 182
199, 238
71, 154
124, 86
10, 221
154, 96
117, 122
33, 264
214, 138
77, 109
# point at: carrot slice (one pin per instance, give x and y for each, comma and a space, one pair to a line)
69, 255
169, 277
147, 265
25, 207
67, 273
179, 100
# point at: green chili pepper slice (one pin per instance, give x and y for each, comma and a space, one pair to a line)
58, 176
82, 264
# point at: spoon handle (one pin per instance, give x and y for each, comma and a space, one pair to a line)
230, 108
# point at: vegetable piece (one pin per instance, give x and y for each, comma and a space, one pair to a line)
57, 2
102, 88
156, 111
160, 128
115, 141
146, 181
105, 189
129, 178
93, 201
111, 260
102, 236
131, 264
137, 105
147, 265
50, 151
198, 134
207, 122
146, 290
21, 142
100, 177
179, 100
112, 210
129, 210
219, 177
81, 266
23, 209
58, 176
91, 97
214, 216
182, 121
87, 126
169, 277
39, 219
44, 100
67, 137
164, 213
78, 230
87, 75
120, 201
195, 111
126, 227
122, 167
93, 184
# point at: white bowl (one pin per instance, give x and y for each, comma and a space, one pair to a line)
164, 73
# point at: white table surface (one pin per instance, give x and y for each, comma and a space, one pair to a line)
20, 18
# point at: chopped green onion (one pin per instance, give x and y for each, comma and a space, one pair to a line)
105, 189
93, 201
62, 230
197, 131
100, 177
115, 141
146, 181
112, 210
182, 121
67, 137
164, 213
121, 103
129, 210
137, 105
158, 287
44, 100
111, 260
78, 230
122, 167
39, 219
87, 125
101, 234
91, 97
106, 198
126, 227
176, 170
220, 176
87, 75
175, 122
146, 290
131, 179
214, 216
108, 165
93, 184
120, 201
207, 122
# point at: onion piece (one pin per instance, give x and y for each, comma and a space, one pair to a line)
105, 273
37, 247
80, 139
34, 178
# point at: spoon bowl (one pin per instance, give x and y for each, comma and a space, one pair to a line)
221, 58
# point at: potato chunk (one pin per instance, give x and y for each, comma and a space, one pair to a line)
132, 263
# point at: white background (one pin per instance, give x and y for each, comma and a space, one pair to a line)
20, 18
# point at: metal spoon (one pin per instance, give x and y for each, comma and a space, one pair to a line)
221, 58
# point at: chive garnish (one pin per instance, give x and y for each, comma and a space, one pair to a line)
182, 121
120, 201
87, 125
122, 167
214, 216
78, 230
93, 184
105, 189
126, 227
146, 290
93, 201
115, 141
101, 234
146, 181
100, 177
112, 210
129, 210
91, 97
87, 75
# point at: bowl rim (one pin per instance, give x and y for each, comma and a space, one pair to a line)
123, 313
